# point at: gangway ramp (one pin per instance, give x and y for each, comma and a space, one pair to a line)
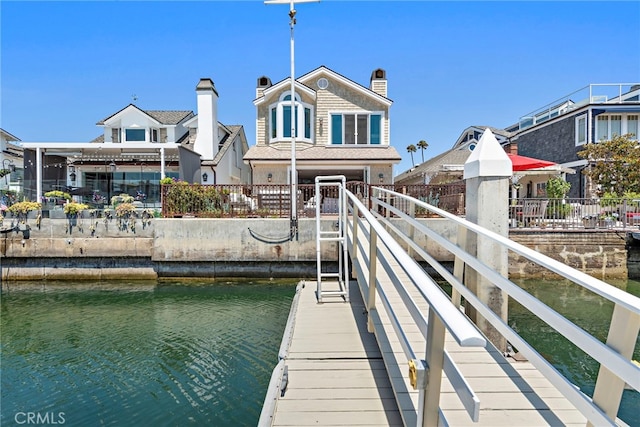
510, 393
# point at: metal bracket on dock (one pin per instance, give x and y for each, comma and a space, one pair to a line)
418, 374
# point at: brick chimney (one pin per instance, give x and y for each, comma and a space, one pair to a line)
207, 139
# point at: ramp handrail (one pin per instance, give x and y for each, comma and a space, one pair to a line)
614, 356
442, 314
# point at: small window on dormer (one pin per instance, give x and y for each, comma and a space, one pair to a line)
134, 135
154, 135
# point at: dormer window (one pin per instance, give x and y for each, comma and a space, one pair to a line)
134, 135
280, 119
154, 135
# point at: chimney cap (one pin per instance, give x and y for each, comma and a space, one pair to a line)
206, 83
264, 82
379, 74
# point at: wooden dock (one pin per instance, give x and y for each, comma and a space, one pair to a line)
335, 368
337, 376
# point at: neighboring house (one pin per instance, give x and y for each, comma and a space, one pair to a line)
139, 147
342, 128
559, 130
449, 166
555, 132
11, 159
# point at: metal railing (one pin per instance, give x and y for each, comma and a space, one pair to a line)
385, 252
604, 93
575, 213
274, 200
614, 356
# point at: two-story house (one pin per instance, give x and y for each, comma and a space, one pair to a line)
138, 147
559, 130
342, 128
555, 132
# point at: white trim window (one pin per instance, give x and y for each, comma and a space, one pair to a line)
581, 129
356, 128
280, 119
632, 126
135, 135
609, 126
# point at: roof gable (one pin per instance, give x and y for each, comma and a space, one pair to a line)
323, 70
304, 84
284, 85
159, 117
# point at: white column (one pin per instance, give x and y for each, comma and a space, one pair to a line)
38, 174
162, 173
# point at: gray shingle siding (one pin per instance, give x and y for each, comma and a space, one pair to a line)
555, 142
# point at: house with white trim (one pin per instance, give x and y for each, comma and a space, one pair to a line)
555, 132
138, 147
560, 129
342, 128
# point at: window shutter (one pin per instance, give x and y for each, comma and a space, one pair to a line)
336, 129
374, 130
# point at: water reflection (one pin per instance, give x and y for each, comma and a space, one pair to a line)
162, 353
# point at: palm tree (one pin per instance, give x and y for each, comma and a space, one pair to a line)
422, 145
412, 149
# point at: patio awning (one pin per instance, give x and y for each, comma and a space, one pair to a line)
523, 163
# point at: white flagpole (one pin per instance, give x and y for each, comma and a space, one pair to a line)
294, 172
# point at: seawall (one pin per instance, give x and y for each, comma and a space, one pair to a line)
254, 247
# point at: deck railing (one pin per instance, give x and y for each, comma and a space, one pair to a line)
614, 356
273, 200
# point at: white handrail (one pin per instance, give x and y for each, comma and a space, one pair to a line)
610, 357
460, 327
442, 313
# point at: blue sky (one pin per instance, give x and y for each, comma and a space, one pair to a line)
67, 65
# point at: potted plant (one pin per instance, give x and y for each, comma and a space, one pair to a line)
125, 212
72, 210
122, 198
21, 209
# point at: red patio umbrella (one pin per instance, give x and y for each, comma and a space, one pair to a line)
523, 163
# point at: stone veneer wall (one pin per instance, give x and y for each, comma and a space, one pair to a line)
600, 254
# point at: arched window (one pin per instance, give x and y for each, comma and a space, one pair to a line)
280, 119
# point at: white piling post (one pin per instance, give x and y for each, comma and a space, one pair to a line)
487, 172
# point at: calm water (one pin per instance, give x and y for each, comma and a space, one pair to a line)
161, 355
586, 310
199, 353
